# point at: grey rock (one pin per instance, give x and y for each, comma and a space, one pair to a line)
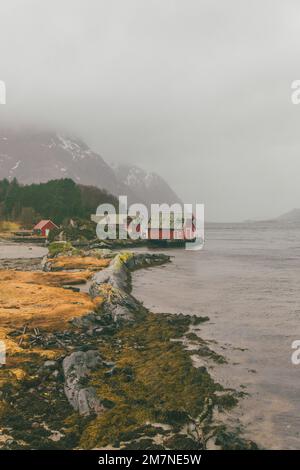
77, 368
71, 288
120, 304
87, 321
87, 401
81, 362
98, 330
50, 364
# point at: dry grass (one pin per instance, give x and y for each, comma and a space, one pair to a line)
34, 299
6, 226
55, 279
40, 305
78, 262
7, 229
37, 299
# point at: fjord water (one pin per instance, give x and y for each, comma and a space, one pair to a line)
247, 281
15, 251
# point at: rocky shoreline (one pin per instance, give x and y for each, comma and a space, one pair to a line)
117, 376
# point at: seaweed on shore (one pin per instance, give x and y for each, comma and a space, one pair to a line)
154, 383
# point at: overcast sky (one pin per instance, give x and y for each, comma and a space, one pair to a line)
196, 90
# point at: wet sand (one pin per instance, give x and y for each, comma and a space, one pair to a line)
247, 280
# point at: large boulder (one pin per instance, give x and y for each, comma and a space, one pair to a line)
77, 368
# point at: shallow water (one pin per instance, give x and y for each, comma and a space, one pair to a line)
247, 280
15, 251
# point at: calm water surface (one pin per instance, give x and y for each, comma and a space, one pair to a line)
247, 280
14, 251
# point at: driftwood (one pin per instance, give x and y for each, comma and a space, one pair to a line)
35, 336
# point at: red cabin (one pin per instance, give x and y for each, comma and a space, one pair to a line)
44, 227
180, 230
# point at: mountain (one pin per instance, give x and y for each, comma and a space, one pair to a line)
34, 157
148, 186
291, 217
40, 157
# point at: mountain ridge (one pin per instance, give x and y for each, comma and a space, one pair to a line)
37, 157
292, 216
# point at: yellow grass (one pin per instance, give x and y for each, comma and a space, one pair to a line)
7, 229
55, 279
35, 300
79, 262
6, 226
39, 305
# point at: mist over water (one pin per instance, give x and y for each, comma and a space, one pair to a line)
198, 91
247, 281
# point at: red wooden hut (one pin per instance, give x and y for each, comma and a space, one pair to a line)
178, 228
44, 227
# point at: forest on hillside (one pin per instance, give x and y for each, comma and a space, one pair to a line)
57, 200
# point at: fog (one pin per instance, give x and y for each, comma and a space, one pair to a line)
198, 91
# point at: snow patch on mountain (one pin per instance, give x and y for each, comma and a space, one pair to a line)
16, 165
34, 157
148, 186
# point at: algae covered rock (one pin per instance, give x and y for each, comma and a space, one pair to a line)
118, 273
